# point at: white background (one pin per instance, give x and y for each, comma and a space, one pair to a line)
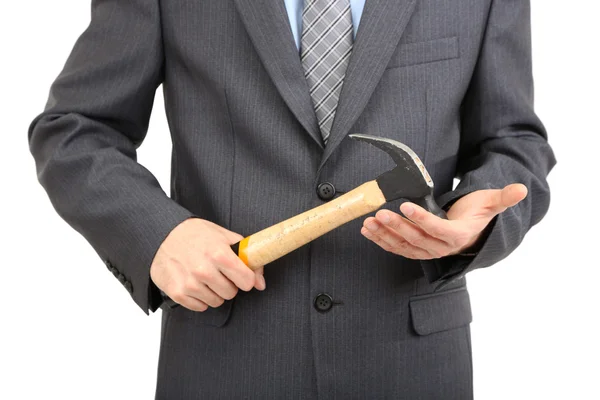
69, 330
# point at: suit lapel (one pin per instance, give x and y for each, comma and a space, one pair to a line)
268, 26
379, 32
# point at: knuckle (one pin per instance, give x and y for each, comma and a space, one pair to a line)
416, 239
460, 240
400, 251
369, 235
178, 296
189, 286
418, 215
230, 294
395, 243
246, 284
216, 302
220, 256
401, 248
380, 237
382, 243
202, 274
422, 255
385, 246
404, 245
398, 225
433, 253
249, 274
436, 253
437, 231
394, 226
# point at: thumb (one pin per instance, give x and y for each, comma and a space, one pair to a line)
508, 197
513, 194
231, 237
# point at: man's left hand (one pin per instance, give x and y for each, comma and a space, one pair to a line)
424, 236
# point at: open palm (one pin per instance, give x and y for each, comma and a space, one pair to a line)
423, 236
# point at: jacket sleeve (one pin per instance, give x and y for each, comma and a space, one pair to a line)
502, 140
84, 143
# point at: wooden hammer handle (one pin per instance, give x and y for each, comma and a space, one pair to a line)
278, 240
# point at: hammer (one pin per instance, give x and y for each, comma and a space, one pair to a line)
408, 180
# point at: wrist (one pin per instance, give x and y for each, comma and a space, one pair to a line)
475, 247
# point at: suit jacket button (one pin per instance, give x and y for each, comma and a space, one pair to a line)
323, 302
122, 279
129, 287
326, 191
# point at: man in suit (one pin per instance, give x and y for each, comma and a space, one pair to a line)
260, 96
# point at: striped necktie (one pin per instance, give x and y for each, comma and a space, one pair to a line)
326, 46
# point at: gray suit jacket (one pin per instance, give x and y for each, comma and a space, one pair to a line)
451, 79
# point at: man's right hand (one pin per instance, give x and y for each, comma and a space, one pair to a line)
196, 267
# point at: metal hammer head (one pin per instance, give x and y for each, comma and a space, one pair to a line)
409, 179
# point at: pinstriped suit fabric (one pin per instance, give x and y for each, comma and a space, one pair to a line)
450, 78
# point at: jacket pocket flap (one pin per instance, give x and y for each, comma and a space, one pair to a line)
440, 311
424, 52
212, 316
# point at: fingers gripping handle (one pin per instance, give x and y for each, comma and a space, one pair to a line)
171, 303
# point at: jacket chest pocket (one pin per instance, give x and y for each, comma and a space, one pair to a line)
424, 52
